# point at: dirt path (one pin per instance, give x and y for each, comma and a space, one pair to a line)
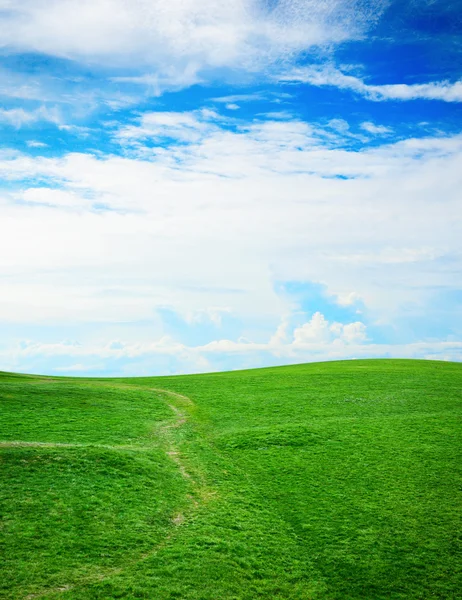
181, 420
168, 436
167, 431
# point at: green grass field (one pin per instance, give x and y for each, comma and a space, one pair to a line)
323, 481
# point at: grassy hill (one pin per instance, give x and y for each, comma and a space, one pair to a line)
324, 481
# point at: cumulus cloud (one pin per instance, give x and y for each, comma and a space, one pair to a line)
329, 76
316, 334
319, 330
315, 331
313, 341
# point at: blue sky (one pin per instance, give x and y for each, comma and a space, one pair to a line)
194, 186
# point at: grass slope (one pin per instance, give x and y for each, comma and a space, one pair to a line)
321, 481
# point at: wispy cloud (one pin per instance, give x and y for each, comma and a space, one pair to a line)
171, 78
375, 129
19, 117
178, 126
36, 144
256, 96
329, 76
171, 40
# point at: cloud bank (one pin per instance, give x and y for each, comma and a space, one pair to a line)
216, 216
317, 339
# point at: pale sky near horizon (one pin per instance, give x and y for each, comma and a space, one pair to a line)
192, 186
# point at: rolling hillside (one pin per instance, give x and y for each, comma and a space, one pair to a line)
323, 481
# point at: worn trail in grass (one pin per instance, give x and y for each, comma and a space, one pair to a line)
322, 481
80, 512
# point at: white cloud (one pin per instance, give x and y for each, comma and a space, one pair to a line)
54, 197
171, 78
19, 117
347, 298
315, 331
330, 76
36, 144
315, 334
174, 40
216, 221
375, 129
351, 333
180, 126
232, 106
314, 341
284, 115
256, 96
319, 331
211, 314
23, 86
78, 368
339, 125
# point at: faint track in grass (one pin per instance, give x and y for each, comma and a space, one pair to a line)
167, 432
21, 444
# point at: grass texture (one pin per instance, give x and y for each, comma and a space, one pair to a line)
324, 481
